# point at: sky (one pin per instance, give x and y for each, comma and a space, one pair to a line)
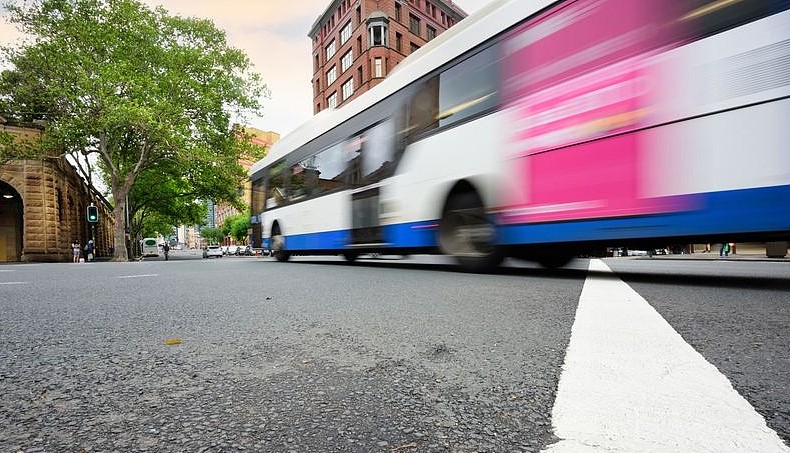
273, 33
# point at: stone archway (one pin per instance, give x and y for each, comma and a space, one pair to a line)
11, 222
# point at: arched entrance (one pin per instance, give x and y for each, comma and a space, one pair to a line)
10, 223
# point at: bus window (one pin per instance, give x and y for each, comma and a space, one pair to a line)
378, 152
257, 196
469, 87
298, 187
276, 186
329, 168
424, 109
700, 18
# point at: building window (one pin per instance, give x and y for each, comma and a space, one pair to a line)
359, 75
331, 101
414, 47
330, 50
378, 67
430, 32
397, 12
331, 75
348, 88
345, 33
414, 24
346, 61
359, 15
378, 35
399, 42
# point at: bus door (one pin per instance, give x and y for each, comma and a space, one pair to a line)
365, 224
372, 159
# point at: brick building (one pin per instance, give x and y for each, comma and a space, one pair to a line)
43, 207
357, 43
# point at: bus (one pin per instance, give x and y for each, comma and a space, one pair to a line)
149, 247
547, 129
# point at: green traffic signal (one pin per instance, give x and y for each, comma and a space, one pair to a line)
93, 214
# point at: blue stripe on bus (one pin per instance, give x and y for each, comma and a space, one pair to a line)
412, 235
328, 240
750, 210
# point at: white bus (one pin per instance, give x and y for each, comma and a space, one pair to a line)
545, 129
149, 247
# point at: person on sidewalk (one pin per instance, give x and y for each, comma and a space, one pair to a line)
75, 251
724, 250
89, 248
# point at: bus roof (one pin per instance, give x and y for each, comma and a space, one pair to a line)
475, 29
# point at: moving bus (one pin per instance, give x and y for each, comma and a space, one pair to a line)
149, 247
546, 129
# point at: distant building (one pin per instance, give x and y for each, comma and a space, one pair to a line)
258, 137
357, 43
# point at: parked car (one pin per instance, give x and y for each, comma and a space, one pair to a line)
244, 250
212, 250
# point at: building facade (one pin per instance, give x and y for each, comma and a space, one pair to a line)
357, 43
43, 208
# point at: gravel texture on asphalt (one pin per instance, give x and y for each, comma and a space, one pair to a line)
275, 373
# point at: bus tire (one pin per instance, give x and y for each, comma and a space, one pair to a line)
278, 245
350, 256
467, 234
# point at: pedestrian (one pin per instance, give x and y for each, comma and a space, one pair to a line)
166, 249
89, 248
724, 250
75, 251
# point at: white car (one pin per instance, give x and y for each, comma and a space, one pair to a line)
212, 250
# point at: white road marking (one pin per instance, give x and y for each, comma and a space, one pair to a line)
138, 276
630, 383
13, 283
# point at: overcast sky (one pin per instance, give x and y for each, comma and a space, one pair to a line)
273, 33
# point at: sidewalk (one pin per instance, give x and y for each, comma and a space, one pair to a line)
714, 256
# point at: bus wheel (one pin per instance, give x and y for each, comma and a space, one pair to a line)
350, 256
278, 246
466, 233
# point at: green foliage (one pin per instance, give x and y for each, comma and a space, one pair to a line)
149, 95
212, 235
237, 226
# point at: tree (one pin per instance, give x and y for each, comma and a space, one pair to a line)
132, 91
238, 226
212, 235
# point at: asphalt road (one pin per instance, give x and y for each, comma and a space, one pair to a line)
317, 355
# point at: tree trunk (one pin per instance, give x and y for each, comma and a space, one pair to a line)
119, 212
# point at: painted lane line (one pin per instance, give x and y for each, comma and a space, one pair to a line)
138, 276
630, 383
13, 283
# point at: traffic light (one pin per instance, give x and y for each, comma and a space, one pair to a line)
93, 214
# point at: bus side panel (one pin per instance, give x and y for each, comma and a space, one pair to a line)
415, 196
323, 223
706, 130
759, 210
